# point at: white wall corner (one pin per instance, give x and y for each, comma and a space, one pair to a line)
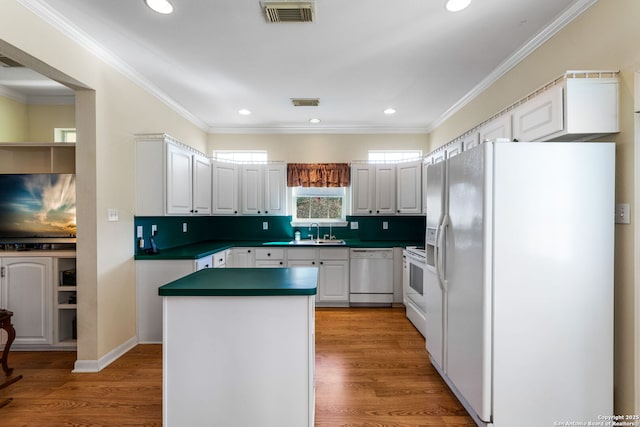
636, 239
89, 366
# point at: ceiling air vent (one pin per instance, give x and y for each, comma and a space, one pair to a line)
305, 102
288, 11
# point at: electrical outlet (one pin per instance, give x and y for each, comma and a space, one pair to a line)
385, 225
265, 225
139, 232
112, 214
154, 230
354, 225
623, 216
184, 227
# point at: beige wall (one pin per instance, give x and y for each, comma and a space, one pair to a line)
318, 148
13, 120
43, 119
104, 169
604, 37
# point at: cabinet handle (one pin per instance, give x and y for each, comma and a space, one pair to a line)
398, 211
249, 251
313, 263
281, 263
377, 211
235, 212
269, 254
321, 262
258, 211
266, 212
370, 211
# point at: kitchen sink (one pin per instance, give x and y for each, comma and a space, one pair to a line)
317, 242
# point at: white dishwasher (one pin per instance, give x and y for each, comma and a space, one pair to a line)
371, 276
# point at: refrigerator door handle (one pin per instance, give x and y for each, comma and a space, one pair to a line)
440, 259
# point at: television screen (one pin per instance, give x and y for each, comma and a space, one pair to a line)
37, 206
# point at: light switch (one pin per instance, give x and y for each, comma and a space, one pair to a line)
154, 230
139, 232
385, 225
184, 227
354, 225
112, 214
623, 216
265, 225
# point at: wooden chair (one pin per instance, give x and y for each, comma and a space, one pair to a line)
5, 323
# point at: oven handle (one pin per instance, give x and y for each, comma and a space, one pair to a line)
439, 249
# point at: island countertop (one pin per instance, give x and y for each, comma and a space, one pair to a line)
244, 282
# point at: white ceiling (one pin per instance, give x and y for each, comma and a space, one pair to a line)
211, 58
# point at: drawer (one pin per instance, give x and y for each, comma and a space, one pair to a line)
269, 253
334, 253
219, 259
302, 254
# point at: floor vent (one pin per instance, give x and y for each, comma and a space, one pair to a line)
283, 11
305, 102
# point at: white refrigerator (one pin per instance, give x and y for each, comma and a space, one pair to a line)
519, 280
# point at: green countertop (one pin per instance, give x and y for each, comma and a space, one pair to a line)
202, 249
244, 282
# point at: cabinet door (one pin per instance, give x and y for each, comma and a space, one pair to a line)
409, 188
26, 290
500, 127
362, 189
201, 185
275, 189
470, 141
385, 194
179, 181
204, 262
454, 148
252, 194
225, 188
539, 116
333, 281
242, 258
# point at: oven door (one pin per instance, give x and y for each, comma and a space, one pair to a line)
415, 288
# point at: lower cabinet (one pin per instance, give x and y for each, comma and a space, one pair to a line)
269, 258
333, 272
242, 258
26, 290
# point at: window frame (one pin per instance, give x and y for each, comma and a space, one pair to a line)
293, 194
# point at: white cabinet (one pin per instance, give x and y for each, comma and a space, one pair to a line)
333, 277
385, 199
220, 258
373, 189
333, 272
224, 188
575, 109
26, 290
263, 189
454, 148
270, 257
362, 188
201, 185
204, 262
470, 140
242, 258
171, 178
500, 127
409, 187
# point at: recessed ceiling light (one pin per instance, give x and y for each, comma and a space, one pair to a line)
389, 111
457, 5
314, 121
244, 112
160, 6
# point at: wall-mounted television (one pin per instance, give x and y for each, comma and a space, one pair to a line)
37, 207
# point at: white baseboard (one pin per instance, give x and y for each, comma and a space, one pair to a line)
85, 366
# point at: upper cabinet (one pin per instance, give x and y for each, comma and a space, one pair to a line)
409, 188
580, 106
263, 189
224, 188
373, 189
499, 127
171, 178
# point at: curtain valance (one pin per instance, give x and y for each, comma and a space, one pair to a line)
318, 175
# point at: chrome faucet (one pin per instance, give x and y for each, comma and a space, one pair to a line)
317, 230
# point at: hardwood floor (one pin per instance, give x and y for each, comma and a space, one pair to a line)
371, 371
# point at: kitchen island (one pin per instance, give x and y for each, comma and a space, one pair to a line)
239, 348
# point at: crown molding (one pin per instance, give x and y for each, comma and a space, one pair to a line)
525, 50
317, 130
59, 22
12, 94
